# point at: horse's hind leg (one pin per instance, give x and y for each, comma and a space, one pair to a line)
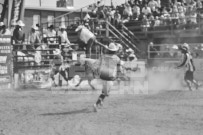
53, 79
89, 82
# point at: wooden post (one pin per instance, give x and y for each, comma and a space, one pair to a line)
16, 80
107, 29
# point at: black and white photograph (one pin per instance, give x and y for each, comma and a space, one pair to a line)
101, 67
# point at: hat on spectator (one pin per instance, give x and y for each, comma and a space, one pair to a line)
113, 47
62, 27
130, 50
50, 26
34, 27
1, 23
20, 23
57, 52
132, 56
79, 28
119, 46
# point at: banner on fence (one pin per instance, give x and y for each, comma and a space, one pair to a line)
34, 78
5, 63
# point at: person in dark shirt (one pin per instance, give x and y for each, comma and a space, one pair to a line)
18, 34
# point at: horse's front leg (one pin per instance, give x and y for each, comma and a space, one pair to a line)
79, 82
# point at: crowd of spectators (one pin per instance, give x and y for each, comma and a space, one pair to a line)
150, 13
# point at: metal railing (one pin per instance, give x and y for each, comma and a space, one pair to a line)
170, 51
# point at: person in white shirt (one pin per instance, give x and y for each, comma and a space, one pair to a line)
146, 10
63, 35
153, 4
136, 12
50, 33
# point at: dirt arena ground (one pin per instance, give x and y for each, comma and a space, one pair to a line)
45, 112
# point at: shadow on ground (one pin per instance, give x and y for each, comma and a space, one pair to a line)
69, 113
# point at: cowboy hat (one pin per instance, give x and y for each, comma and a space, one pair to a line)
175, 47
20, 23
130, 50
57, 52
79, 28
62, 27
34, 27
50, 26
113, 47
1, 23
185, 46
132, 56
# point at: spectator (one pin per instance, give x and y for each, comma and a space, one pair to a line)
157, 22
159, 3
153, 5
4, 30
117, 18
151, 20
136, 12
34, 37
127, 11
50, 33
63, 35
154, 50
175, 15
199, 4
162, 20
146, 10
18, 34
145, 23
156, 12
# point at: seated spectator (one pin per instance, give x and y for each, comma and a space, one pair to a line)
175, 15
199, 4
162, 20
4, 30
63, 35
159, 3
145, 23
127, 11
156, 12
146, 10
157, 22
34, 36
153, 5
154, 50
181, 9
50, 33
182, 20
151, 20
136, 12
18, 34
117, 18
168, 21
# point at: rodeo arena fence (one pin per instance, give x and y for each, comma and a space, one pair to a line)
21, 67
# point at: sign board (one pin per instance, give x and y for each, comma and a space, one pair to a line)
5, 62
34, 78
